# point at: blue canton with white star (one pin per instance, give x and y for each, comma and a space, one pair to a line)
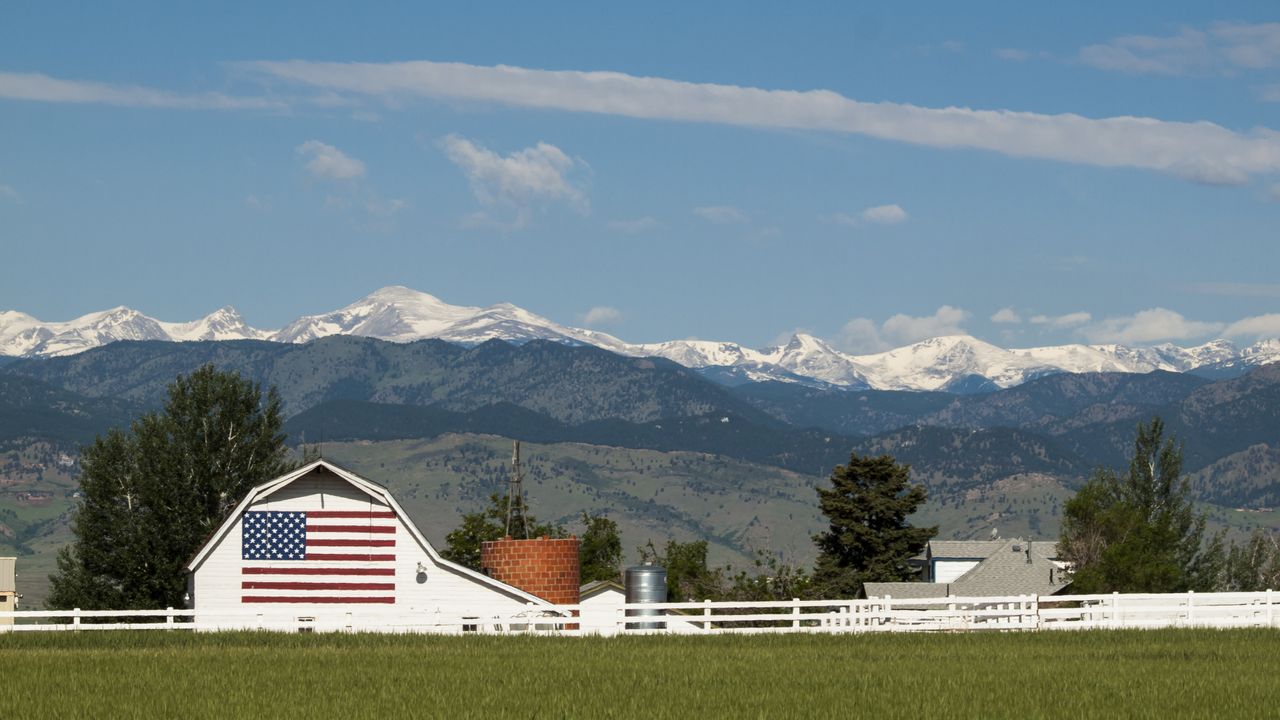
274, 536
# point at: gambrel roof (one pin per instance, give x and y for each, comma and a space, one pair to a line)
374, 490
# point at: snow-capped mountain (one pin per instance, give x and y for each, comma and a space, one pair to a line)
21, 334
400, 314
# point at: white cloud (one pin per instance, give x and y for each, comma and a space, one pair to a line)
721, 214
1062, 321
519, 181
884, 214
1196, 150
38, 87
1221, 48
327, 162
1149, 326
601, 315
1006, 316
1259, 326
862, 335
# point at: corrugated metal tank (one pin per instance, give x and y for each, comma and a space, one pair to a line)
646, 584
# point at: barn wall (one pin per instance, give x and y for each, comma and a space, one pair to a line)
420, 597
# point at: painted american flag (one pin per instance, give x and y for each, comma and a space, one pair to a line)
318, 556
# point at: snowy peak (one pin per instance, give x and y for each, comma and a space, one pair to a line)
392, 313
957, 363
222, 324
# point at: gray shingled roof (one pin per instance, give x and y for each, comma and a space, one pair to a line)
904, 590
986, 548
1013, 570
1006, 569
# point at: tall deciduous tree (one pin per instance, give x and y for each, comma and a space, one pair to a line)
152, 496
1138, 532
868, 538
600, 554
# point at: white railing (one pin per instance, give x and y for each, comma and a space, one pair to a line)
948, 614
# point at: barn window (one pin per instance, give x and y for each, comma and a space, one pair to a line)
470, 627
306, 624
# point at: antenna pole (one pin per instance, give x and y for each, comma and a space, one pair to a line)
515, 495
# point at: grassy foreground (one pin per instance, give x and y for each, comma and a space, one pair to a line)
1167, 674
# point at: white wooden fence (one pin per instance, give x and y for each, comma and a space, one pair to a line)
950, 614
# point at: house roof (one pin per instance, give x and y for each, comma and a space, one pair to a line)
596, 587
373, 489
905, 590
980, 549
1017, 568
1005, 568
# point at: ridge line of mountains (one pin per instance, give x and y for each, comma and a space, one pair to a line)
957, 364
362, 389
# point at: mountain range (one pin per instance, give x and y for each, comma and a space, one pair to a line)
957, 364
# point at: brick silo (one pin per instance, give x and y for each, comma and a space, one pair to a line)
546, 567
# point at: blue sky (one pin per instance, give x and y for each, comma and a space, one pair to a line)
873, 174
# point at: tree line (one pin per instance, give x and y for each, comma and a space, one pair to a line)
153, 494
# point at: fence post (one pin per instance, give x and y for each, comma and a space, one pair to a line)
795, 611
1115, 609
1035, 610
75, 618
1269, 611
168, 618
1191, 607
886, 612
706, 612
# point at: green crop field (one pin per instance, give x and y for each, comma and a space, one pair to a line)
1158, 674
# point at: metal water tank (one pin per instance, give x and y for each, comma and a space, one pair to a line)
646, 584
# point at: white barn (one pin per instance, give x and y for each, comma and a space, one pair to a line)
324, 548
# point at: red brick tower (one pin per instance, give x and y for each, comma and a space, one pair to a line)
544, 566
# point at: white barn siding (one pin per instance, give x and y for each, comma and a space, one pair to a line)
445, 593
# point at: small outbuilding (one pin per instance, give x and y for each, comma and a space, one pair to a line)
322, 547
8, 587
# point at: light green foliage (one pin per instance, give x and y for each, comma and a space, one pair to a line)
152, 496
869, 538
463, 544
1139, 532
688, 577
1132, 674
600, 551
1254, 565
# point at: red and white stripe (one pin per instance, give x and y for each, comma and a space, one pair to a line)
350, 559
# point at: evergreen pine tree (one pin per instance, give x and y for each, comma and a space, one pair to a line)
868, 538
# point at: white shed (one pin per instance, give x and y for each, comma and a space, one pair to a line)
601, 603
324, 548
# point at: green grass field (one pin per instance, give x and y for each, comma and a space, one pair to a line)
1158, 674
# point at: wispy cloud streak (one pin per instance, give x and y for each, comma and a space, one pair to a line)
1201, 151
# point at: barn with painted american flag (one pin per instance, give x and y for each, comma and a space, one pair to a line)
323, 547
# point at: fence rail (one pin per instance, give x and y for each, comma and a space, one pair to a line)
949, 614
